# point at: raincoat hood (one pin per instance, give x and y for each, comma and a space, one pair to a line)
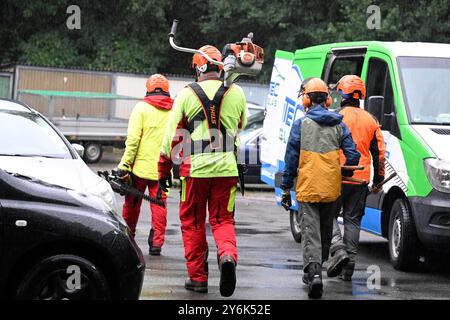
323, 116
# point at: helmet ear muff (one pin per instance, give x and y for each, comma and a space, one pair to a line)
329, 101
306, 100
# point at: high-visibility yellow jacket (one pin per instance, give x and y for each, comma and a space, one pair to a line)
146, 128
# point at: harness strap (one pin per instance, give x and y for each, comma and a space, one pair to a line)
211, 113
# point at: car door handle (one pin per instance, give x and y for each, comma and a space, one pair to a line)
21, 223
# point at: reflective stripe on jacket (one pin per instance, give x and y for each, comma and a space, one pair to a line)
369, 140
312, 153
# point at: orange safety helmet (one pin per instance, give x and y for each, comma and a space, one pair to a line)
201, 63
314, 85
351, 86
157, 81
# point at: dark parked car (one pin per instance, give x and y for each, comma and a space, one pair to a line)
61, 236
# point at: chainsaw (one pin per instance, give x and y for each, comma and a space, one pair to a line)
120, 186
240, 58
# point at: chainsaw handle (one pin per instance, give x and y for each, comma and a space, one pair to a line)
173, 31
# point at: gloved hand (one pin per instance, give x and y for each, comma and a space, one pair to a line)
286, 200
376, 181
122, 174
347, 173
165, 183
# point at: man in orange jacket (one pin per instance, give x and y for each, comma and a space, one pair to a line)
367, 134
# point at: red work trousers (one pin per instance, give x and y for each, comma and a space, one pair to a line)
132, 209
219, 194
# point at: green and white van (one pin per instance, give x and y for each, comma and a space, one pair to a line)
408, 91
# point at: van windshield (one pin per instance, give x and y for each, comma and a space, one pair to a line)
426, 89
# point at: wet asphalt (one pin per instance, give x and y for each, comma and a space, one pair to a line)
270, 262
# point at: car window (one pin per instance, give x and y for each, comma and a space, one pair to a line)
379, 84
341, 67
28, 134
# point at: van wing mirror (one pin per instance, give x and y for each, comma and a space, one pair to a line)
79, 149
375, 106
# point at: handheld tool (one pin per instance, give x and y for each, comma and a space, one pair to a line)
352, 168
120, 186
380, 185
240, 58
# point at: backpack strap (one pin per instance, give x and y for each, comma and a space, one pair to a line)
211, 113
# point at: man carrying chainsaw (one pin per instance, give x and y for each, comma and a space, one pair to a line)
312, 154
208, 116
139, 164
370, 143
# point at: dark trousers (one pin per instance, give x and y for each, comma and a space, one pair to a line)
317, 230
353, 200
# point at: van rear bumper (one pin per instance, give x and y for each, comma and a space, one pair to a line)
432, 219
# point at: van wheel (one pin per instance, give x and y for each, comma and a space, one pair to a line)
296, 219
64, 277
404, 246
93, 152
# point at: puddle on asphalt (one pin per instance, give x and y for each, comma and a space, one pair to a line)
254, 231
172, 232
279, 266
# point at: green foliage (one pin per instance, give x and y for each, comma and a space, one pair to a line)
131, 35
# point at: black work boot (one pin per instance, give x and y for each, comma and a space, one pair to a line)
315, 286
196, 286
155, 251
347, 271
337, 261
227, 267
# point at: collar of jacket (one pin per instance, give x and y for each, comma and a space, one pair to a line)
162, 102
350, 103
323, 116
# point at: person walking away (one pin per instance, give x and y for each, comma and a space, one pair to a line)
312, 154
210, 115
370, 143
146, 128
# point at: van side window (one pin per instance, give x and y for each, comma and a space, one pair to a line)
378, 83
341, 67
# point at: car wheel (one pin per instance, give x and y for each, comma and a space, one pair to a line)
296, 219
404, 246
93, 152
64, 277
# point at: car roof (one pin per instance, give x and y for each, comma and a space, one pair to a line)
419, 49
13, 105
396, 48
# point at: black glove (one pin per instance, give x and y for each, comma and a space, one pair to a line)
122, 174
377, 179
286, 200
165, 183
347, 173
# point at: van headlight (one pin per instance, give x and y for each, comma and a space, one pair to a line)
438, 173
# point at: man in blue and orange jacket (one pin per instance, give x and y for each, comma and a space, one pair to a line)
312, 154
